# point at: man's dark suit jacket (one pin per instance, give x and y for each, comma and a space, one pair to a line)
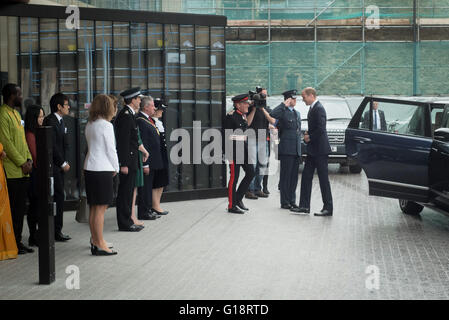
59, 140
126, 137
383, 122
151, 141
319, 142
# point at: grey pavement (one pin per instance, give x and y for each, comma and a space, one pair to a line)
199, 251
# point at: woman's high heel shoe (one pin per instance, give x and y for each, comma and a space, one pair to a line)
110, 245
100, 252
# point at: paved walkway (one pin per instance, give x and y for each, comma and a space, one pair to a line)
199, 251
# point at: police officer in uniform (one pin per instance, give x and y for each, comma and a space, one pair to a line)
289, 148
236, 123
127, 149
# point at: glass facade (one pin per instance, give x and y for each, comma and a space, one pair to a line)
183, 62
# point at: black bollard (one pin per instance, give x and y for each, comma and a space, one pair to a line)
44, 145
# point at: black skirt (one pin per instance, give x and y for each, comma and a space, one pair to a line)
99, 187
160, 178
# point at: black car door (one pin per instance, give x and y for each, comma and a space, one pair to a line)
391, 140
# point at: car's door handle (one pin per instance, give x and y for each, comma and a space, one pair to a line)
362, 139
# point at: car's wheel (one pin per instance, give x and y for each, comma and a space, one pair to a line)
355, 169
410, 207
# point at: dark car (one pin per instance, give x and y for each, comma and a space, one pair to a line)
338, 115
409, 158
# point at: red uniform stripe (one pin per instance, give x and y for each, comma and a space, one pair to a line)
231, 184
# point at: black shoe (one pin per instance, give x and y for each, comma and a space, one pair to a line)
300, 210
235, 210
23, 248
324, 213
147, 216
286, 206
265, 190
132, 228
32, 241
100, 252
59, 236
293, 206
241, 206
161, 213
250, 195
110, 246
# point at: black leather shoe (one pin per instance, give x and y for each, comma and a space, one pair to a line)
286, 206
266, 191
110, 246
324, 213
293, 206
300, 210
132, 228
24, 249
147, 216
32, 241
59, 236
160, 213
241, 206
250, 195
235, 210
100, 252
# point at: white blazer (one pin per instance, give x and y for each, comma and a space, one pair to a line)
101, 153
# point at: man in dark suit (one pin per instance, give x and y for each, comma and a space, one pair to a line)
152, 142
379, 122
127, 150
59, 105
289, 148
318, 150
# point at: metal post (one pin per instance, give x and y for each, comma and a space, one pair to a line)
415, 50
44, 136
363, 60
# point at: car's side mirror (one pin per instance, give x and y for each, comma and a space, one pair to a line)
441, 134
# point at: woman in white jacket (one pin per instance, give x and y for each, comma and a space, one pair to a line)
100, 166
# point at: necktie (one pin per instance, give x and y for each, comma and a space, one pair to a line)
375, 120
62, 126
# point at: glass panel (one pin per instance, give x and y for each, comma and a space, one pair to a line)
121, 70
155, 67
85, 63
29, 73
187, 58
103, 49
48, 61
68, 68
138, 55
395, 118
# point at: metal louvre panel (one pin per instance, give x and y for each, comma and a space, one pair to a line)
336, 137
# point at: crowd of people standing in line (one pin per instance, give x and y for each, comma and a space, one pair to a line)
130, 144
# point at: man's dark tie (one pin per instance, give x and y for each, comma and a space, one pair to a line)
62, 126
375, 120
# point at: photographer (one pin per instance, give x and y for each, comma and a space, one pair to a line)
259, 148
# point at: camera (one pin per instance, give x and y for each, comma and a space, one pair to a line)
259, 98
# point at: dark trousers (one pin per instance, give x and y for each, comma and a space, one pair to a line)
320, 164
58, 197
145, 194
125, 199
288, 180
33, 210
18, 193
235, 195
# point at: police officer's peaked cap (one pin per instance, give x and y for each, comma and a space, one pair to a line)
130, 93
159, 104
289, 94
240, 97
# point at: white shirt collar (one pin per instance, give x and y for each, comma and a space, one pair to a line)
145, 114
132, 110
313, 103
58, 116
